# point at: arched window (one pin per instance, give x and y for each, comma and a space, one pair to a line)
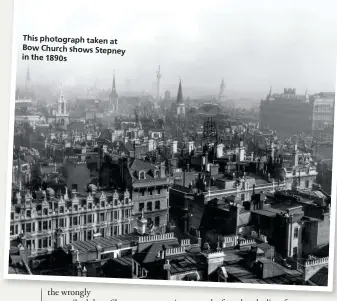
61, 209
102, 204
45, 211
141, 175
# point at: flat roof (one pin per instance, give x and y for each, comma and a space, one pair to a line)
105, 242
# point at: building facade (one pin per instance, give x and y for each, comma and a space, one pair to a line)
46, 220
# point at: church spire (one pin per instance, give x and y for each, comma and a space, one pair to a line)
180, 94
113, 82
61, 92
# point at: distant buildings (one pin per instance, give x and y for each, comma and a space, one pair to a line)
290, 113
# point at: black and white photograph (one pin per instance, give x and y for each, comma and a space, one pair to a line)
165, 143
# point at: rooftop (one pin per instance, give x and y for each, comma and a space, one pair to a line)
110, 243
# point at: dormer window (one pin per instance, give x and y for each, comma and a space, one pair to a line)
156, 173
28, 213
45, 211
102, 204
142, 175
126, 201
61, 209
75, 207
90, 206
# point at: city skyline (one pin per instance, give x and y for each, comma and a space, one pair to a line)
251, 47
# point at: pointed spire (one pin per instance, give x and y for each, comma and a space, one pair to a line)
270, 90
61, 92
180, 94
113, 82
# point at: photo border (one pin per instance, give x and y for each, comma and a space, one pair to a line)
231, 285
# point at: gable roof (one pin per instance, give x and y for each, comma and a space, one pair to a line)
138, 165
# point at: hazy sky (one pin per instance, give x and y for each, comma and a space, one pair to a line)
251, 44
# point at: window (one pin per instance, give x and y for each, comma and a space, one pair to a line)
90, 205
115, 230
102, 204
75, 220
75, 207
142, 175
89, 219
61, 222
61, 209
28, 228
126, 201
157, 205
150, 191
50, 205
12, 229
45, 211
157, 221
307, 184
89, 237
143, 192
101, 230
295, 252
45, 225
39, 226
149, 221
158, 191
12, 215
102, 217
115, 202
141, 207
296, 233
115, 215
16, 229
156, 173
242, 197
149, 206
28, 213
74, 187
74, 236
